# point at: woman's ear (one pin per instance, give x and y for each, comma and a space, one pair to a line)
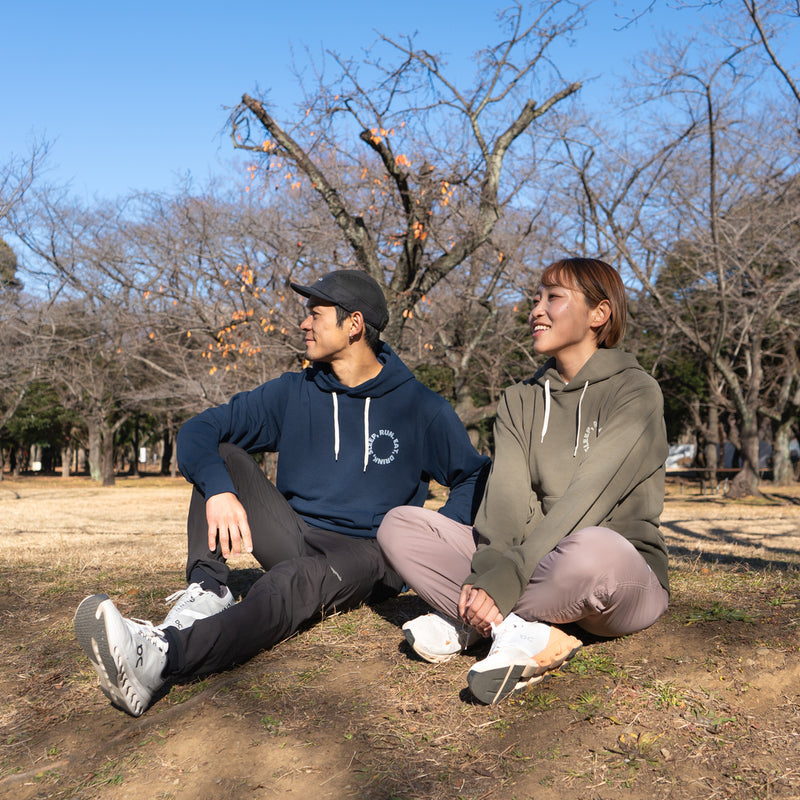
600, 314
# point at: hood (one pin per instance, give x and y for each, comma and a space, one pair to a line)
393, 374
603, 364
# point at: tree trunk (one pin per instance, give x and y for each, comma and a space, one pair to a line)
66, 460
133, 470
173, 464
167, 439
107, 452
712, 445
95, 451
745, 484
782, 472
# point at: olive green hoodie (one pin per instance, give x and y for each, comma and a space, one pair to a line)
568, 456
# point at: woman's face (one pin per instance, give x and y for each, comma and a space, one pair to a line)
561, 324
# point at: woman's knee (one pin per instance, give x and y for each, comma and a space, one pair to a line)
595, 550
584, 570
395, 525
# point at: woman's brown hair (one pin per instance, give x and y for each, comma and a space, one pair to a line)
598, 281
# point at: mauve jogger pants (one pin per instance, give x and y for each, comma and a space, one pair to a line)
594, 577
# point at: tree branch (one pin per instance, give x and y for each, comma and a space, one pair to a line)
353, 227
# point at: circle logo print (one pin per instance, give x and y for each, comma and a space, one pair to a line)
383, 447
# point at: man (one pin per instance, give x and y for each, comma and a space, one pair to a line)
356, 435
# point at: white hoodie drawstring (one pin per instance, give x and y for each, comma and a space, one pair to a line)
336, 429
578, 431
366, 434
546, 408
335, 425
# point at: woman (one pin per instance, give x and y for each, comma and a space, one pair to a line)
568, 528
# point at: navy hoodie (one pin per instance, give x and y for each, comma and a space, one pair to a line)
346, 455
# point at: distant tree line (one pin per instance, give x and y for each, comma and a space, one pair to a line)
120, 319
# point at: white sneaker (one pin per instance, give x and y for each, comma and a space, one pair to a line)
193, 603
438, 639
128, 655
521, 655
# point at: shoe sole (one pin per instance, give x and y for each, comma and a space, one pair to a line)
92, 636
493, 685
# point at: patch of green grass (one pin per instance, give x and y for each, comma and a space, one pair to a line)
265, 688
342, 624
539, 700
666, 695
783, 597
591, 661
157, 737
272, 725
588, 704
110, 774
64, 586
47, 776
306, 676
180, 694
551, 755
719, 612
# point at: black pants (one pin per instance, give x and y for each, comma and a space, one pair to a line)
308, 571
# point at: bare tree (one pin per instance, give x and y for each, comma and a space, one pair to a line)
78, 259
784, 408
20, 319
17, 175
768, 21
720, 180
434, 186
212, 271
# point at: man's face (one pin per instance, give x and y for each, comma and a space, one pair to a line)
324, 339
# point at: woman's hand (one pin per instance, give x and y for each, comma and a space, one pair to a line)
478, 609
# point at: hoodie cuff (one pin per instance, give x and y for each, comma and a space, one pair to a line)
502, 583
214, 480
484, 559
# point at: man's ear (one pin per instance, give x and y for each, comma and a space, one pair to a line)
600, 314
356, 323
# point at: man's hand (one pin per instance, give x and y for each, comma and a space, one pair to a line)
228, 519
478, 609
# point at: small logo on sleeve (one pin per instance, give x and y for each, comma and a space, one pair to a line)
587, 435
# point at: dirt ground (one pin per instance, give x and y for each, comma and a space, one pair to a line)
702, 705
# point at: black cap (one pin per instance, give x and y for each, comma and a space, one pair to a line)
353, 290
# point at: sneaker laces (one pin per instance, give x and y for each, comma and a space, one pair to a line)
175, 596
509, 623
494, 637
150, 633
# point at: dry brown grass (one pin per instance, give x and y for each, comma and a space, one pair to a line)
702, 705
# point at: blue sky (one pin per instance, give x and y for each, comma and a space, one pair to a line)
132, 96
